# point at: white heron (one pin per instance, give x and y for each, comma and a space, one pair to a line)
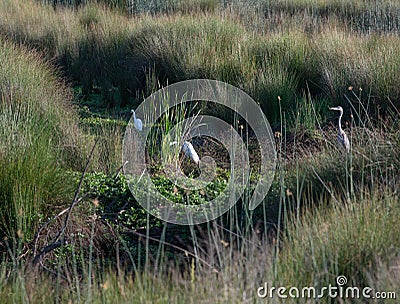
342, 137
189, 151
137, 122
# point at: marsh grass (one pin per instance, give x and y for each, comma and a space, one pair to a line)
124, 58
339, 239
321, 234
39, 137
362, 16
326, 214
331, 243
109, 133
329, 234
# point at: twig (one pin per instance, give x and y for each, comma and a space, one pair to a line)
57, 242
119, 170
325, 186
78, 189
46, 250
49, 221
36, 238
43, 226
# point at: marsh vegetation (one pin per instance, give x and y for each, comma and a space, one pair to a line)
71, 71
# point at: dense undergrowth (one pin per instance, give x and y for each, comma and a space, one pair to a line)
69, 74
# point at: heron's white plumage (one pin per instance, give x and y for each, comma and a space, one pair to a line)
344, 141
188, 149
137, 122
342, 137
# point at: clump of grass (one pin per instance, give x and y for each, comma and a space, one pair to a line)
108, 133
342, 240
39, 137
359, 62
308, 115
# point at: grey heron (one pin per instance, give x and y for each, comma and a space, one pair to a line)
342, 137
136, 121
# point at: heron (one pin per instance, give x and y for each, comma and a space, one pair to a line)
342, 137
137, 122
189, 151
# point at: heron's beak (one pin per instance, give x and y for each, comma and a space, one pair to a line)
332, 109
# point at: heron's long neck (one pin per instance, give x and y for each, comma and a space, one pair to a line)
340, 122
134, 115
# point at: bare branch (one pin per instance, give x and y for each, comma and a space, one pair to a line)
59, 238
